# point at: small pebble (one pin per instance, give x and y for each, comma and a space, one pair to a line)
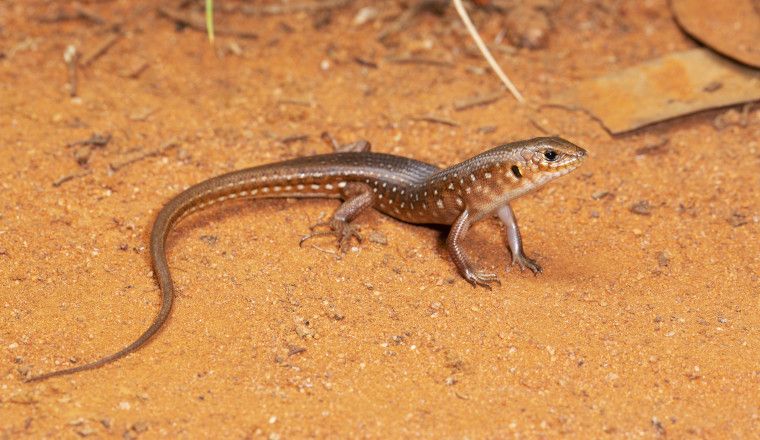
642, 207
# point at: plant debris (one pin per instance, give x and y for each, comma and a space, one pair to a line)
674, 85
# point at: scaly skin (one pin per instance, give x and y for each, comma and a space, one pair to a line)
406, 189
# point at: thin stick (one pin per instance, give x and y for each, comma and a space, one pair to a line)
486, 53
100, 50
435, 120
292, 8
199, 24
464, 104
116, 166
70, 56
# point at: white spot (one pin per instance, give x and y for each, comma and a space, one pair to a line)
265, 189
424, 206
390, 201
328, 186
439, 203
402, 204
202, 205
254, 192
461, 181
288, 188
379, 196
243, 193
314, 186
232, 196
222, 198
435, 192
451, 186
384, 184
402, 192
394, 189
472, 177
299, 187
460, 203
487, 175
468, 190
374, 189
277, 188
341, 184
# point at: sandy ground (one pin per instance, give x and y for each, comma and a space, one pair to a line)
644, 323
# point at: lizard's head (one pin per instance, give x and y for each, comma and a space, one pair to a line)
511, 170
543, 159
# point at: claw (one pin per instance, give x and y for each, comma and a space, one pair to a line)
525, 262
482, 279
342, 230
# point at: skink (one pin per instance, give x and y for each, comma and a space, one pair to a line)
406, 189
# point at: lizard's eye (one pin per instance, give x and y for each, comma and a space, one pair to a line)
550, 155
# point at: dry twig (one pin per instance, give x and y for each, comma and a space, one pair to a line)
101, 49
116, 166
464, 104
70, 57
418, 60
63, 179
486, 53
435, 119
292, 8
199, 24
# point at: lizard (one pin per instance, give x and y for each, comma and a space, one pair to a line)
406, 189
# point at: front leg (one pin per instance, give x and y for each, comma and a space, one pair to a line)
514, 240
454, 243
358, 197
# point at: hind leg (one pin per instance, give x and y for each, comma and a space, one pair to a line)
358, 198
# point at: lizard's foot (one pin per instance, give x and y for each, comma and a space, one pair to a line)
479, 278
342, 230
525, 262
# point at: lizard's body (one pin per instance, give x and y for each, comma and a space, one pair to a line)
406, 189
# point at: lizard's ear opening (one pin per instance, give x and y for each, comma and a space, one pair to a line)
516, 171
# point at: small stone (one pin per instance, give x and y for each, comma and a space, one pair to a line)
303, 330
527, 27
365, 14
378, 238
601, 195
738, 218
209, 239
642, 207
663, 259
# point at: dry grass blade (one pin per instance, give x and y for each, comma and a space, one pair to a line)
486, 53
